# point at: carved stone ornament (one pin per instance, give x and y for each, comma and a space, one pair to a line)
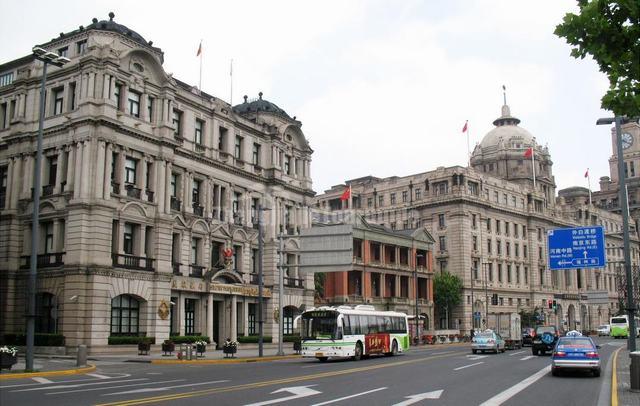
163, 310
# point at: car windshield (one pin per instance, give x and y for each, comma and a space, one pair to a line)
542, 330
318, 325
485, 335
575, 342
604, 326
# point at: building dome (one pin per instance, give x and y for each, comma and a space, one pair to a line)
507, 133
259, 105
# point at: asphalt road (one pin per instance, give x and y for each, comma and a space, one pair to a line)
446, 375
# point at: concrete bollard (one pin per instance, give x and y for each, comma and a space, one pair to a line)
81, 357
635, 371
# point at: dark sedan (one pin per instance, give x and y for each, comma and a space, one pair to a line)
527, 336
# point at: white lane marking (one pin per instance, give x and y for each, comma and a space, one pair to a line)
121, 375
507, 394
528, 357
79, 385
349, 397
476, 357
99, 376
163, 388
420, 397
298, 392
516, 353
112, 387
467, 366
154, 373
42, 380
441, 352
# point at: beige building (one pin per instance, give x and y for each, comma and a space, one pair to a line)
490, 224
150, 197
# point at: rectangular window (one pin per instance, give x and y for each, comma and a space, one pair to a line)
189, 316
441, 221
490, 271
488, 225
518, 274
174, 185
4, 116
287, 164
53, 169
237, 151
418, 193
405, 196
222, 138
128, 239
255, 156
498, 229
499, 272
517, 249
474, 219
508, 248
58, 98
197, 136
380, 200
81, 47
393, 198
195, 192
525, 251
195, 251
508, 273
177, 122
72, 96
3, 186
117, 92
369, 202
489, 245
443, 243
130, 167
6, 79
150, 108
475, 243
506, 228
134, 103
48, 237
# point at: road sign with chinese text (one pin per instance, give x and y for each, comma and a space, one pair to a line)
579, 247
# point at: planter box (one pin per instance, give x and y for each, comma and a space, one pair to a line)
7, 360
229, 350
168, 348
200, 349
144, 348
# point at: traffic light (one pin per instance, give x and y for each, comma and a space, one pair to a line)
550, 304
555, 306
494, 299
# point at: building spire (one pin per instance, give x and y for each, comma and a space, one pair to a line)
504, 94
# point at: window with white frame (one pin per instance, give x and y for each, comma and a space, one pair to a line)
134, 103
58, 99
130, 167
197, 136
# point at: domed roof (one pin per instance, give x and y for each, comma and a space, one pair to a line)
111, 25
258, 105
507, 132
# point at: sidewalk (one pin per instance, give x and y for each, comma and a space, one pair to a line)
623, 374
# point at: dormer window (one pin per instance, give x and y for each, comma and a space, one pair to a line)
63, 52
81, 47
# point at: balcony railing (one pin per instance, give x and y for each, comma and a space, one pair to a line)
175, 203
176, 268
293, 282
133, 191
199, 148
50, 260
132, 262
149, 195
198, 210
196, 271
115, 188
47, 190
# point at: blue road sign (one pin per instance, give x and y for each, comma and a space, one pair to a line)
579, 247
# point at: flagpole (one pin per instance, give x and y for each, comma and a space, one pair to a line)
200, 83
589, 184
231, 80
533, 165
468, 148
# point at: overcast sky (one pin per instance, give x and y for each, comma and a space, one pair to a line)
382, 88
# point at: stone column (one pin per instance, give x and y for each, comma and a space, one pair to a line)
180, 306
86, 169
56, 187
210, 316
10, 183
91, 87
245, 317
141, 181
78, 170
71, 166
167, 195
160, 181
143, 241
108, 164
27, 179
99, 192
234, 318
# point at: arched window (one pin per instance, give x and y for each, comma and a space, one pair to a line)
46, 312
290, 313
125, 311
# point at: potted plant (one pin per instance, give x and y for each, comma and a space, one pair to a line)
297, 345
144, 346
201, 347
168, 347
229, 347
8, 357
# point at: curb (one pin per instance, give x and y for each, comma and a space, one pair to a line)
224, 361
76, 371
614, 379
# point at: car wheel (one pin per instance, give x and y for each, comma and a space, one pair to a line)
596, 372
358, 354
555, 372
542, 352
474, 351
503, 349
534, 351
323, 359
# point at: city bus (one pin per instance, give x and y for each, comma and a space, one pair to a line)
346, 331
620, 326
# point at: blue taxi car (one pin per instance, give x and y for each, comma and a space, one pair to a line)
575, 352
487, 340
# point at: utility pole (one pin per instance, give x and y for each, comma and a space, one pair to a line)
281, 285
260, 293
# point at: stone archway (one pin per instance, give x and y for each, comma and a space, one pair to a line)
571, 317
585, 320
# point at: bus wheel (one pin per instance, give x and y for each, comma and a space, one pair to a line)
394, 349
323, 359
358, 353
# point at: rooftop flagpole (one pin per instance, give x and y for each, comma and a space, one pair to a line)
231, 82
586, 175
200, 55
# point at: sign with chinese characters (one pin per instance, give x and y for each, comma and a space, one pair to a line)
573, 248
189, 284
376, 343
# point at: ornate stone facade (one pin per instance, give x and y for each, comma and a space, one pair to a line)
147, 183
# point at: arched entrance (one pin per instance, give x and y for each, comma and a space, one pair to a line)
585, 321
559, 317
571, 317
425, 321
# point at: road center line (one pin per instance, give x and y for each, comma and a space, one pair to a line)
527, 357
112, 387
516, 353
42, 380
164, 388
62, 384
505, 395
467, 366
99, 376
349, 397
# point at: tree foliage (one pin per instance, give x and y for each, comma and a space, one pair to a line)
609, 31
447, 290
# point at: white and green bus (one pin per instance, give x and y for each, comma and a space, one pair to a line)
354, 332
620, 326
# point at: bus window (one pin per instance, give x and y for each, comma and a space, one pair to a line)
364, 323
373, 324
388, 325
346, 321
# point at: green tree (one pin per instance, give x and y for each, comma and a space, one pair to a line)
609, 31
318, 279
447, 292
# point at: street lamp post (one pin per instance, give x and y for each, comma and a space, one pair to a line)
623, 197
260, 293
486, 293
47, 58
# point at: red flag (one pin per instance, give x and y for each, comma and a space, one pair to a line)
199, 49
586, 174
464, 129
528, 153
346, 194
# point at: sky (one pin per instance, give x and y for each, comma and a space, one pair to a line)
382, 87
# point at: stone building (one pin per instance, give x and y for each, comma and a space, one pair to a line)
490, 223
150, 197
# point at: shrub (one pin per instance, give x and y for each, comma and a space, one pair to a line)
189, 339
293, 338
253, 339
130, 340
40, 339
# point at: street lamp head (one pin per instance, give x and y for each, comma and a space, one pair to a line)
50, 56
61, 60
606, 121
38, 51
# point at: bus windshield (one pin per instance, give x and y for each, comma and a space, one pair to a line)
619, 320
319, 325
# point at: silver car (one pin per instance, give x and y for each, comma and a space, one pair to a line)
487, 340
604, 330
